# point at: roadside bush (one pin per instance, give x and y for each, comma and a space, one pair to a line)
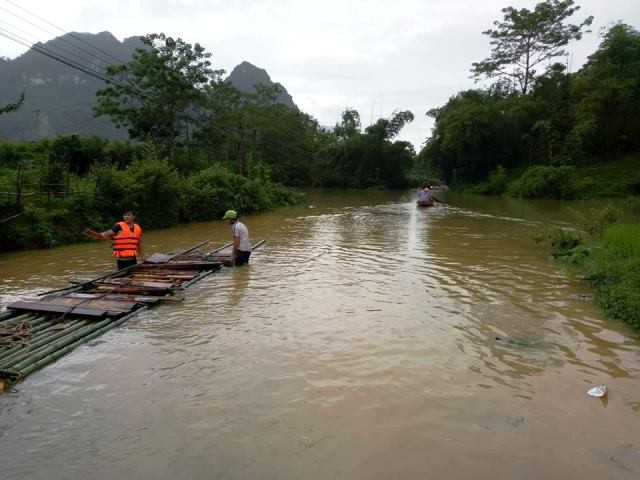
541, 181
40, 231
210, 192
156, 192
112, 193
105, 178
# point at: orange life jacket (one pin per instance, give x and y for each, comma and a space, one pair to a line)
125, 242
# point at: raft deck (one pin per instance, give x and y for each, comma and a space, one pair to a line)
34, 333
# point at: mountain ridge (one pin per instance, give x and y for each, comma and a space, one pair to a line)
59, 99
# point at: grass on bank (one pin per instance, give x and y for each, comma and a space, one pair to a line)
610, 259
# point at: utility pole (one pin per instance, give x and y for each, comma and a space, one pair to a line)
186, 124
19, 175
254, 146
240, 149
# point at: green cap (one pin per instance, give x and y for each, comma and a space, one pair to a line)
230, 215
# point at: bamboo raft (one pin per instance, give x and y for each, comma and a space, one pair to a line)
34, 333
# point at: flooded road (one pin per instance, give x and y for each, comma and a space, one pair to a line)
368, 339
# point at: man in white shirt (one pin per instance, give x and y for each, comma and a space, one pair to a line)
241, 250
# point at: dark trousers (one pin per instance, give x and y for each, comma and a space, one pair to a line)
126, 263
242, 257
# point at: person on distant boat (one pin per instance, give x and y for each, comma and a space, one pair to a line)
127, 240
425, 197
241, 250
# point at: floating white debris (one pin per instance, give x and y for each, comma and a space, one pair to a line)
599, 391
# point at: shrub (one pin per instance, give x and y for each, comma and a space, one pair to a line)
147, 185
562, 241
156, 191
111, 191
542, 181
210, 192
596, 220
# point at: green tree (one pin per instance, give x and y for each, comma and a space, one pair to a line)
525, 40
159, 93
349, 124
470, 136
370, 159
388, 128
608, 93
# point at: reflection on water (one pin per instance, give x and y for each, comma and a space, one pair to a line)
368, 339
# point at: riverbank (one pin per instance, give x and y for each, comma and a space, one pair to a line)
608, 255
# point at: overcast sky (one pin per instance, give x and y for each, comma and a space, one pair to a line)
371, 55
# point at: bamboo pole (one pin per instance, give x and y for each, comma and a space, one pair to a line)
19, 352
17, 318
40, 343
58, 344
64, 350
206, 273
220, 248
258, 245
49, 344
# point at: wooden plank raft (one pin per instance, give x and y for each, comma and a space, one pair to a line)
121, 293
34, 333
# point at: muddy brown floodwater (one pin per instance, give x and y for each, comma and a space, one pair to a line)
368, 339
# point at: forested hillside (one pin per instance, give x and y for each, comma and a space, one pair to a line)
540, 120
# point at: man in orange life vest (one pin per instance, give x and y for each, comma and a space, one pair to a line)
127, 240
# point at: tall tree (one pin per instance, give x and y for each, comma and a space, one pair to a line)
526, 39
608, 92
362, 160
349, 125
387, 129
158, 93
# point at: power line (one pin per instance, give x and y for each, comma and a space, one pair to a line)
64, 31
61, 38
92, 55
53, 55
70, 63
32, 42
